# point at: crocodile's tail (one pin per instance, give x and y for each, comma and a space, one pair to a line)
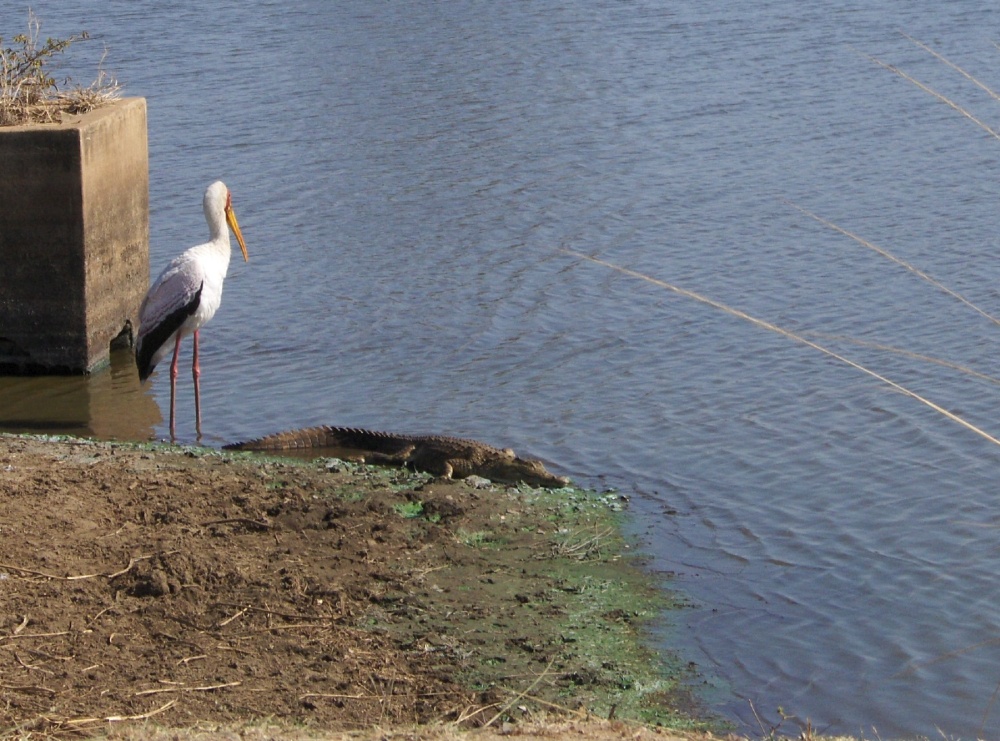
309, 437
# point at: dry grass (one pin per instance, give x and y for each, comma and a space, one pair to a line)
29, 94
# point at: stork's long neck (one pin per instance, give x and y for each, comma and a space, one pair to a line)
218, 230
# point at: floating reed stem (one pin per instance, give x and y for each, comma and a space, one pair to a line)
954, 66
907, 353
785, 333
885, 253
927, 89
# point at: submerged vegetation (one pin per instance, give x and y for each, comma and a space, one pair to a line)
30, 94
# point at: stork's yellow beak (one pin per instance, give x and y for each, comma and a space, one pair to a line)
234, 225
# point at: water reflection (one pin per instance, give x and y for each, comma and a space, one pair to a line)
109, 404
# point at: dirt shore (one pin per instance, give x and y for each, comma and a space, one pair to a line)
146, 587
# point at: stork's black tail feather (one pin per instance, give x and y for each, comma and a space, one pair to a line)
150, 342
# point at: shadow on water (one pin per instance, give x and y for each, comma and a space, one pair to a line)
108, 405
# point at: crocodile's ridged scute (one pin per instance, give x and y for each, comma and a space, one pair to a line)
329, 436
390, 443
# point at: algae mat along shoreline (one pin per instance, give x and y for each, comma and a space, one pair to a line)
182, 586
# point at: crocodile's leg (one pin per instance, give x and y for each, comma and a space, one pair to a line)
459, 468
424, 460
401, 457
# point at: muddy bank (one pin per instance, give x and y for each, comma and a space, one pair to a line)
190, 587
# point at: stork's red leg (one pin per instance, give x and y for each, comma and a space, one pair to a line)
196, 374
173, 383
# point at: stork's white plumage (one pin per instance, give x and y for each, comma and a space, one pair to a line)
186, 295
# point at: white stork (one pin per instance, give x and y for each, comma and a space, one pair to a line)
186, 295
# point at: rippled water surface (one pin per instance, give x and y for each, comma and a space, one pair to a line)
408, 176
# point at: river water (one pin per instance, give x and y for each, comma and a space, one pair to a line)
409, 178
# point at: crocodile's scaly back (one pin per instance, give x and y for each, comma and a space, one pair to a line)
356, 438
437, 454
326, 437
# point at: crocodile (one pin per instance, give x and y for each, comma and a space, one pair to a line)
448, 457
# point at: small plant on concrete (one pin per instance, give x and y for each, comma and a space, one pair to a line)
29, 94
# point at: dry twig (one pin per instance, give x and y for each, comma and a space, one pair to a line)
114, 718
258, 524
45, 575
34, 635
230, 619
208, 688
519, 695
29, 688
290, 616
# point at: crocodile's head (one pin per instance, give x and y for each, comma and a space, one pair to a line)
513, 469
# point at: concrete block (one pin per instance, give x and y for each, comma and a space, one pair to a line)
74, 238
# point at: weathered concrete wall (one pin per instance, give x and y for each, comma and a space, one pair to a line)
74, 238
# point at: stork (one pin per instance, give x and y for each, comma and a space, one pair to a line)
186, 295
